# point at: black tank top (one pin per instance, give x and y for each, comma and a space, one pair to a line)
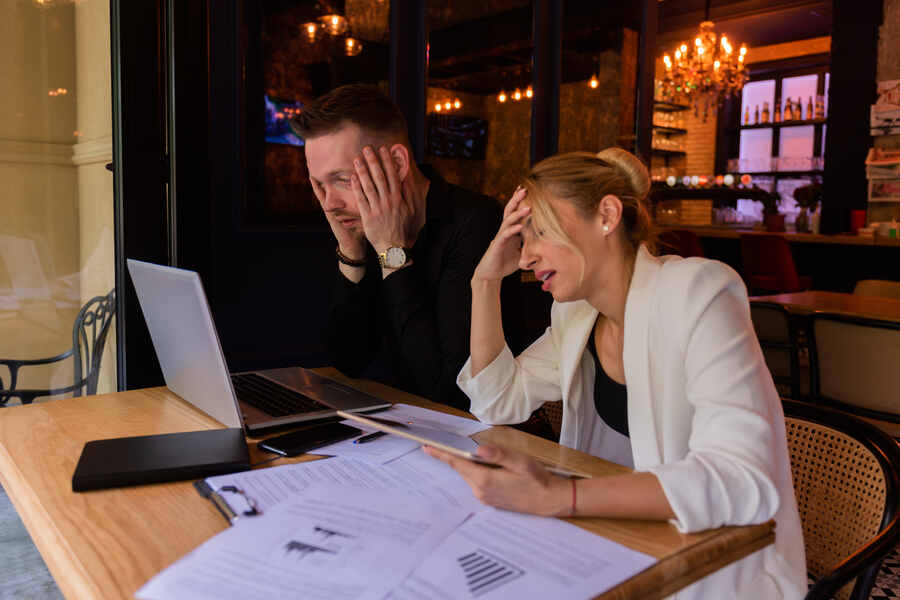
610, 396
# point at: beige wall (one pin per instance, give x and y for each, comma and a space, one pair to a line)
91, 153
55, 196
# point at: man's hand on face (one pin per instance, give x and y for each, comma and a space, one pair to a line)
386, 207
352, 242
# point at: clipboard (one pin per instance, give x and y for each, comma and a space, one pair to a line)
381, 425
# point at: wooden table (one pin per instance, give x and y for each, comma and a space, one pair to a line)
805, 303
106, 544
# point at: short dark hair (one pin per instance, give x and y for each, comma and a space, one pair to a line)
366, 106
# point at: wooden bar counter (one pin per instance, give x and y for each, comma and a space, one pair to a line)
106, 544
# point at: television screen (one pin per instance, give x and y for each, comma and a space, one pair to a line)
454, 136
278, 130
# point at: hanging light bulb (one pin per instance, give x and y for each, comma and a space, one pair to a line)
529, 92
457, 104
594, 82
501, 97
310, 30
447, 105
352, 46
438, 107
334, 24
517, 95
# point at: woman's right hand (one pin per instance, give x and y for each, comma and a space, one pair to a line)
502, 256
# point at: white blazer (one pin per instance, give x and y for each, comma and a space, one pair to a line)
703, 412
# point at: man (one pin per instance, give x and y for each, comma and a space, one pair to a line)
407, 245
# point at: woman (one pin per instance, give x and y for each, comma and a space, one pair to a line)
657, 366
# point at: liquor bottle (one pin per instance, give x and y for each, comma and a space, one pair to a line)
777, 118
788, 110
765, 112
798, 109
820, 106
756, 115
809, 109
747, 115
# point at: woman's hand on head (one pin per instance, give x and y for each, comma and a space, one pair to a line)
521, 485
502, 256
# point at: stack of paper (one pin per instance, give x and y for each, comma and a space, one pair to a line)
410, 528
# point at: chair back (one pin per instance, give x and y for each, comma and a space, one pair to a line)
878, 287
89, 339
846, 483
553, 413
682, 242
778, 339
855, 362
768, 265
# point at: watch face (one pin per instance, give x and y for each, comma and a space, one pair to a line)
394, 258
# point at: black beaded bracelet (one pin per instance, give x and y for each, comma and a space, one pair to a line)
347, 260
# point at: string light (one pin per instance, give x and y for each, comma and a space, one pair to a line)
517, 95
529, 92
501, 98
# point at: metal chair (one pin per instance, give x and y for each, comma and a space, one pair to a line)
778, 339
878, 287
88, 340
854, 363
846, 483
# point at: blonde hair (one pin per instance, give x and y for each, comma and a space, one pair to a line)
584, 179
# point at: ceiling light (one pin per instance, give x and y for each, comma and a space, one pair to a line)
334, 24
502, 96
352, 46
594, 82
310, 30
707, 71
529, 92
517, 95
438, 107
457, 104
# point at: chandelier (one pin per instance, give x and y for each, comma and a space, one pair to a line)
330, 27
705, 71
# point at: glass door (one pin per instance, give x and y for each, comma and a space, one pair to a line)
56, 213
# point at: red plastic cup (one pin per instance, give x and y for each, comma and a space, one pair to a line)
857, 220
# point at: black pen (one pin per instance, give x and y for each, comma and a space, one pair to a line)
369, 437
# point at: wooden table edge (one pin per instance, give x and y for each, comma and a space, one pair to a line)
679, 573
70, 576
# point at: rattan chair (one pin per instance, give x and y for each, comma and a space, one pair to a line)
855, 362
846, 482
878, 287
553, 414
88, 340
778, 339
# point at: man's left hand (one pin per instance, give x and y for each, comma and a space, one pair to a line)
386, 207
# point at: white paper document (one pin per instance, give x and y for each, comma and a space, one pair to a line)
446, 429
416, 474
499, 554
433, 419
323, 544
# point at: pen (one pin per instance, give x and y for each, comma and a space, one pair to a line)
369, 437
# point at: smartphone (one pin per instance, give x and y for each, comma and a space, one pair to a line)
308, 438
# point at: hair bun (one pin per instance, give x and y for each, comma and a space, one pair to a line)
630, 166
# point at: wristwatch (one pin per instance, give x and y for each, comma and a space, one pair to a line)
394, 257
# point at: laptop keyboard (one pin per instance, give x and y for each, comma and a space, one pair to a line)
271, 398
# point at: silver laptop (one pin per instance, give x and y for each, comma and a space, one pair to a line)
189, 352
